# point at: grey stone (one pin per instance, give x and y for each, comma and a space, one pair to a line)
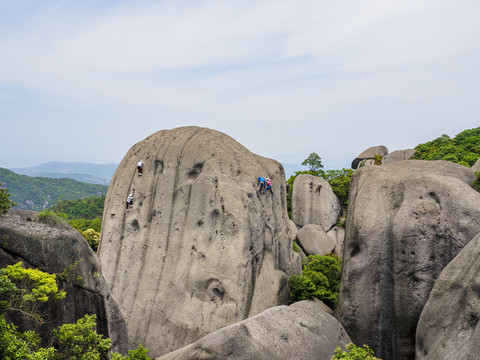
293, 228
406, 221
303, 330
369, 154
398, 155
449, 324
337, 234
314, 241
476, 167
52, 248
200, 249
310, 207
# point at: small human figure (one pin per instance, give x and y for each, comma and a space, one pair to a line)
261, 183
319, 187
130, 199
140, 168
269, 185
311, 185
288, 188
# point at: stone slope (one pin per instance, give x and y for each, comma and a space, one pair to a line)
201, 248
310, 207
52, 249
406, 221
300, 331
448, 325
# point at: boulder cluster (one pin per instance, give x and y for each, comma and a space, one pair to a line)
197, 267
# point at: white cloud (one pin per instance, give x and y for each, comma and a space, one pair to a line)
282, 67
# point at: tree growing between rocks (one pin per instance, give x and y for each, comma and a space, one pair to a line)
21, 291
5, 202
320, 278
314, 162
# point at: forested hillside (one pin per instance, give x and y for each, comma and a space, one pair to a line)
463, 149
40, 192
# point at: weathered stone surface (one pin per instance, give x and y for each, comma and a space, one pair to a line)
370, 154
293, 229
476, 167
310, 207
449, 324
398, 155
337, 234
406, 221
51, 249
314, 241
200, 249
300, 331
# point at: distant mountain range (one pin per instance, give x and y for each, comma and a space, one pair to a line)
38, 193
84, 172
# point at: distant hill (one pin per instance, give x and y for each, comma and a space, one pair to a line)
84, 172
38, 193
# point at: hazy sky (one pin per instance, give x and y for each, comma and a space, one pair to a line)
86, 80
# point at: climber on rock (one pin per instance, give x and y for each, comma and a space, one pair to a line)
130, 199
269, 185
311, 185
140, 168
319, 187
261, 183
287, 187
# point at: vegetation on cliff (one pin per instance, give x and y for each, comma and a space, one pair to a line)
39, 193
462, 149
320, 278
21, 291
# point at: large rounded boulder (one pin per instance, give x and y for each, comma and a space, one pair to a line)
310, 206
367, 156
57, 248
303, 330
201, 248
406, 221
449, 324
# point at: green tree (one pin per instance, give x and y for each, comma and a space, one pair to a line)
92, 237
314, 163
320, 278
5, 202
339, 180
22, 290
463, 149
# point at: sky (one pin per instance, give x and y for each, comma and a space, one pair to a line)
86, 80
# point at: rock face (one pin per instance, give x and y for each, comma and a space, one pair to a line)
448, 326
300, 331
406, 222
314, 241
398, 155
369, 154
51, 249
200, 249
476, 166
310, 207
337, 234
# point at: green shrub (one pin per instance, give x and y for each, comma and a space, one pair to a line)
92, 237
476, 183
320, 278
355, 352
50, 218
5, 202
295, 247
301, 288
377, 159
